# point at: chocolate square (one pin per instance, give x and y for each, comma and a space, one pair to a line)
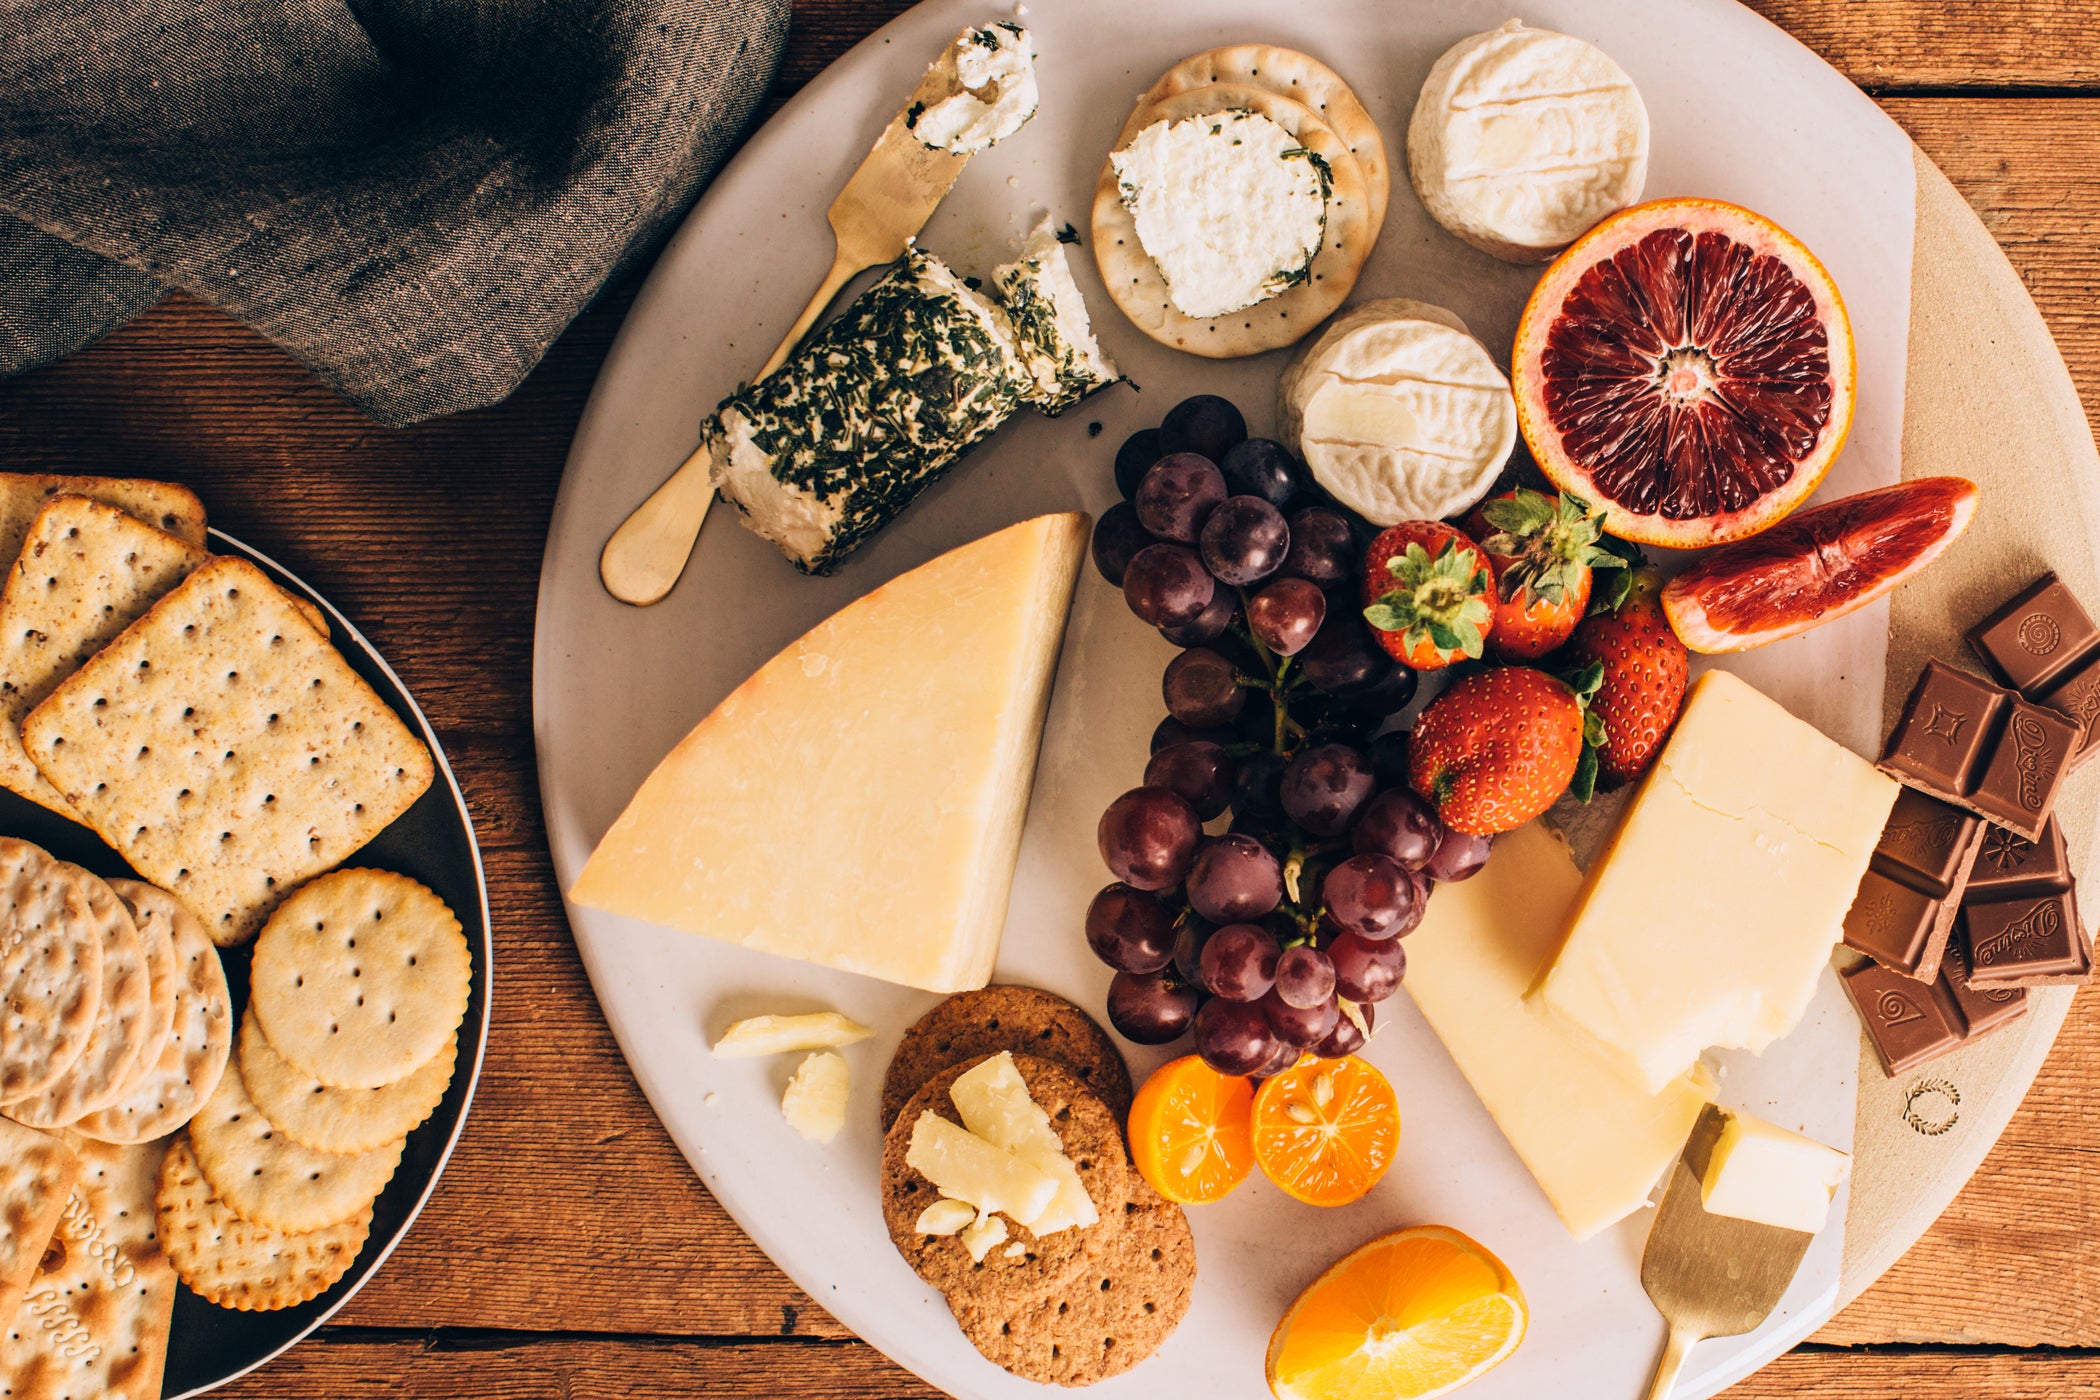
1909, 1022
1896, 926
1944, 737
1983, 1009
2037, 637
2027, 942
1926, 844
2020, 780
2077, 695
2010, 865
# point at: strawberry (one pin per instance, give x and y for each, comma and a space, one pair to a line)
1496, 748
1428, 594
1545, 550
1641, 687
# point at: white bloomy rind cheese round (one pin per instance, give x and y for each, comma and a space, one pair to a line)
858, 802
1229, 207
1399, 412
1523, 139
992, 90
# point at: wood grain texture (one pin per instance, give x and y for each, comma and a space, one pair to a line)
566, 1205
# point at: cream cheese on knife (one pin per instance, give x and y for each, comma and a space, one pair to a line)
992, 93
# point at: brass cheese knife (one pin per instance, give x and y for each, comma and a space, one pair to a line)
1710, 1275
874, 219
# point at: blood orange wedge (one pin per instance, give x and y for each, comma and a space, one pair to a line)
1821, 564
1686, 365
1326, 1130
1189, 1133
1412, 1314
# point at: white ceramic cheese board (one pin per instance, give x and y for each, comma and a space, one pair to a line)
1739, 111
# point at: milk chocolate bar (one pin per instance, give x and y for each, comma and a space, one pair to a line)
1982, 748
2045, 645
1908, 900
1909, 1021
2009, 866
1983, 1009
2035, 941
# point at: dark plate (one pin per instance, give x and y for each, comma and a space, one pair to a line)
433, 842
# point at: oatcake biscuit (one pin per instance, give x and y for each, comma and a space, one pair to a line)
340, 1120
1091, 1138
226, 750
163, 505
360, 978
971, 1025
266, 1178
50, 970
199, 1036
1108, 1318
37, 1173
85, 573
238, 1264
121, 1023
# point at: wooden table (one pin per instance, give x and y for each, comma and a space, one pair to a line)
569, 1251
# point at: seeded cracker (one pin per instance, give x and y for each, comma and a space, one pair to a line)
163, 505
226, 750
85, 572
37, 1173
95, 1321
971, 1025
268, 1179
121, 1023
236, 1264
50, 970
340, 1120
360, 978
199, 1036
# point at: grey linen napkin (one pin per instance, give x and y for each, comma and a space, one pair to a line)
412, 197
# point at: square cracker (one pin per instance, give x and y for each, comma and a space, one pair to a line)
161, 504
95, 1321
226, 750
83, 573
37, 1173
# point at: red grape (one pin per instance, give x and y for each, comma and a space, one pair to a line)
1202, 688
1129, 930
1367, 969
1210, 624
1204, 423
1285, 1057
1239, 962
1178, 495
1150, 1008
1171, 731
1287, 615
1167, 585
1201, 772
1372, 897
1322, 548
1343, 659
1388, 695
1257, 788
1304, 977
1260, 467
1458, 856
1398, 825
1117, 538
1323, 786
1300, 1026
1233, 1037
1244, 540
1388, 754
1345, 1038
1188, 950
1234, 878
1135, 457
1148, 837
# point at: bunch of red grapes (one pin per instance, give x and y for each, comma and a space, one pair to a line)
1253, 936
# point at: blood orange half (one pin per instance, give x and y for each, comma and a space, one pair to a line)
1688, 366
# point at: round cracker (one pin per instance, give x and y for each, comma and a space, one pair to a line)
122, 1023
200, 1036
360, 978
971, 1025
236, 1263
1109, 1318
268, 1179
50, 970
1304, 80
340, 1120
163, 973
1134, 281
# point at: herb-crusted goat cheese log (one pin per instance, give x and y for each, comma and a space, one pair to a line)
1049, 317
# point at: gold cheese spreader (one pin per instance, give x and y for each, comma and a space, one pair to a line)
873, 220
1710, 1275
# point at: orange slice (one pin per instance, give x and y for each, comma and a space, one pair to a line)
1189, 1131
1325, 1130
1412, 1314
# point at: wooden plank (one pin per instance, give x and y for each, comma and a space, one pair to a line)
521, 1367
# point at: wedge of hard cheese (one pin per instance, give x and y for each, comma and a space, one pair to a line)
1594, 1139
858, 802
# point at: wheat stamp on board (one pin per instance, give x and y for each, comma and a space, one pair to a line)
235, 1263
226, 750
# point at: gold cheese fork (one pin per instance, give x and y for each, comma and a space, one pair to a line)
874, 219
1710, 1275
